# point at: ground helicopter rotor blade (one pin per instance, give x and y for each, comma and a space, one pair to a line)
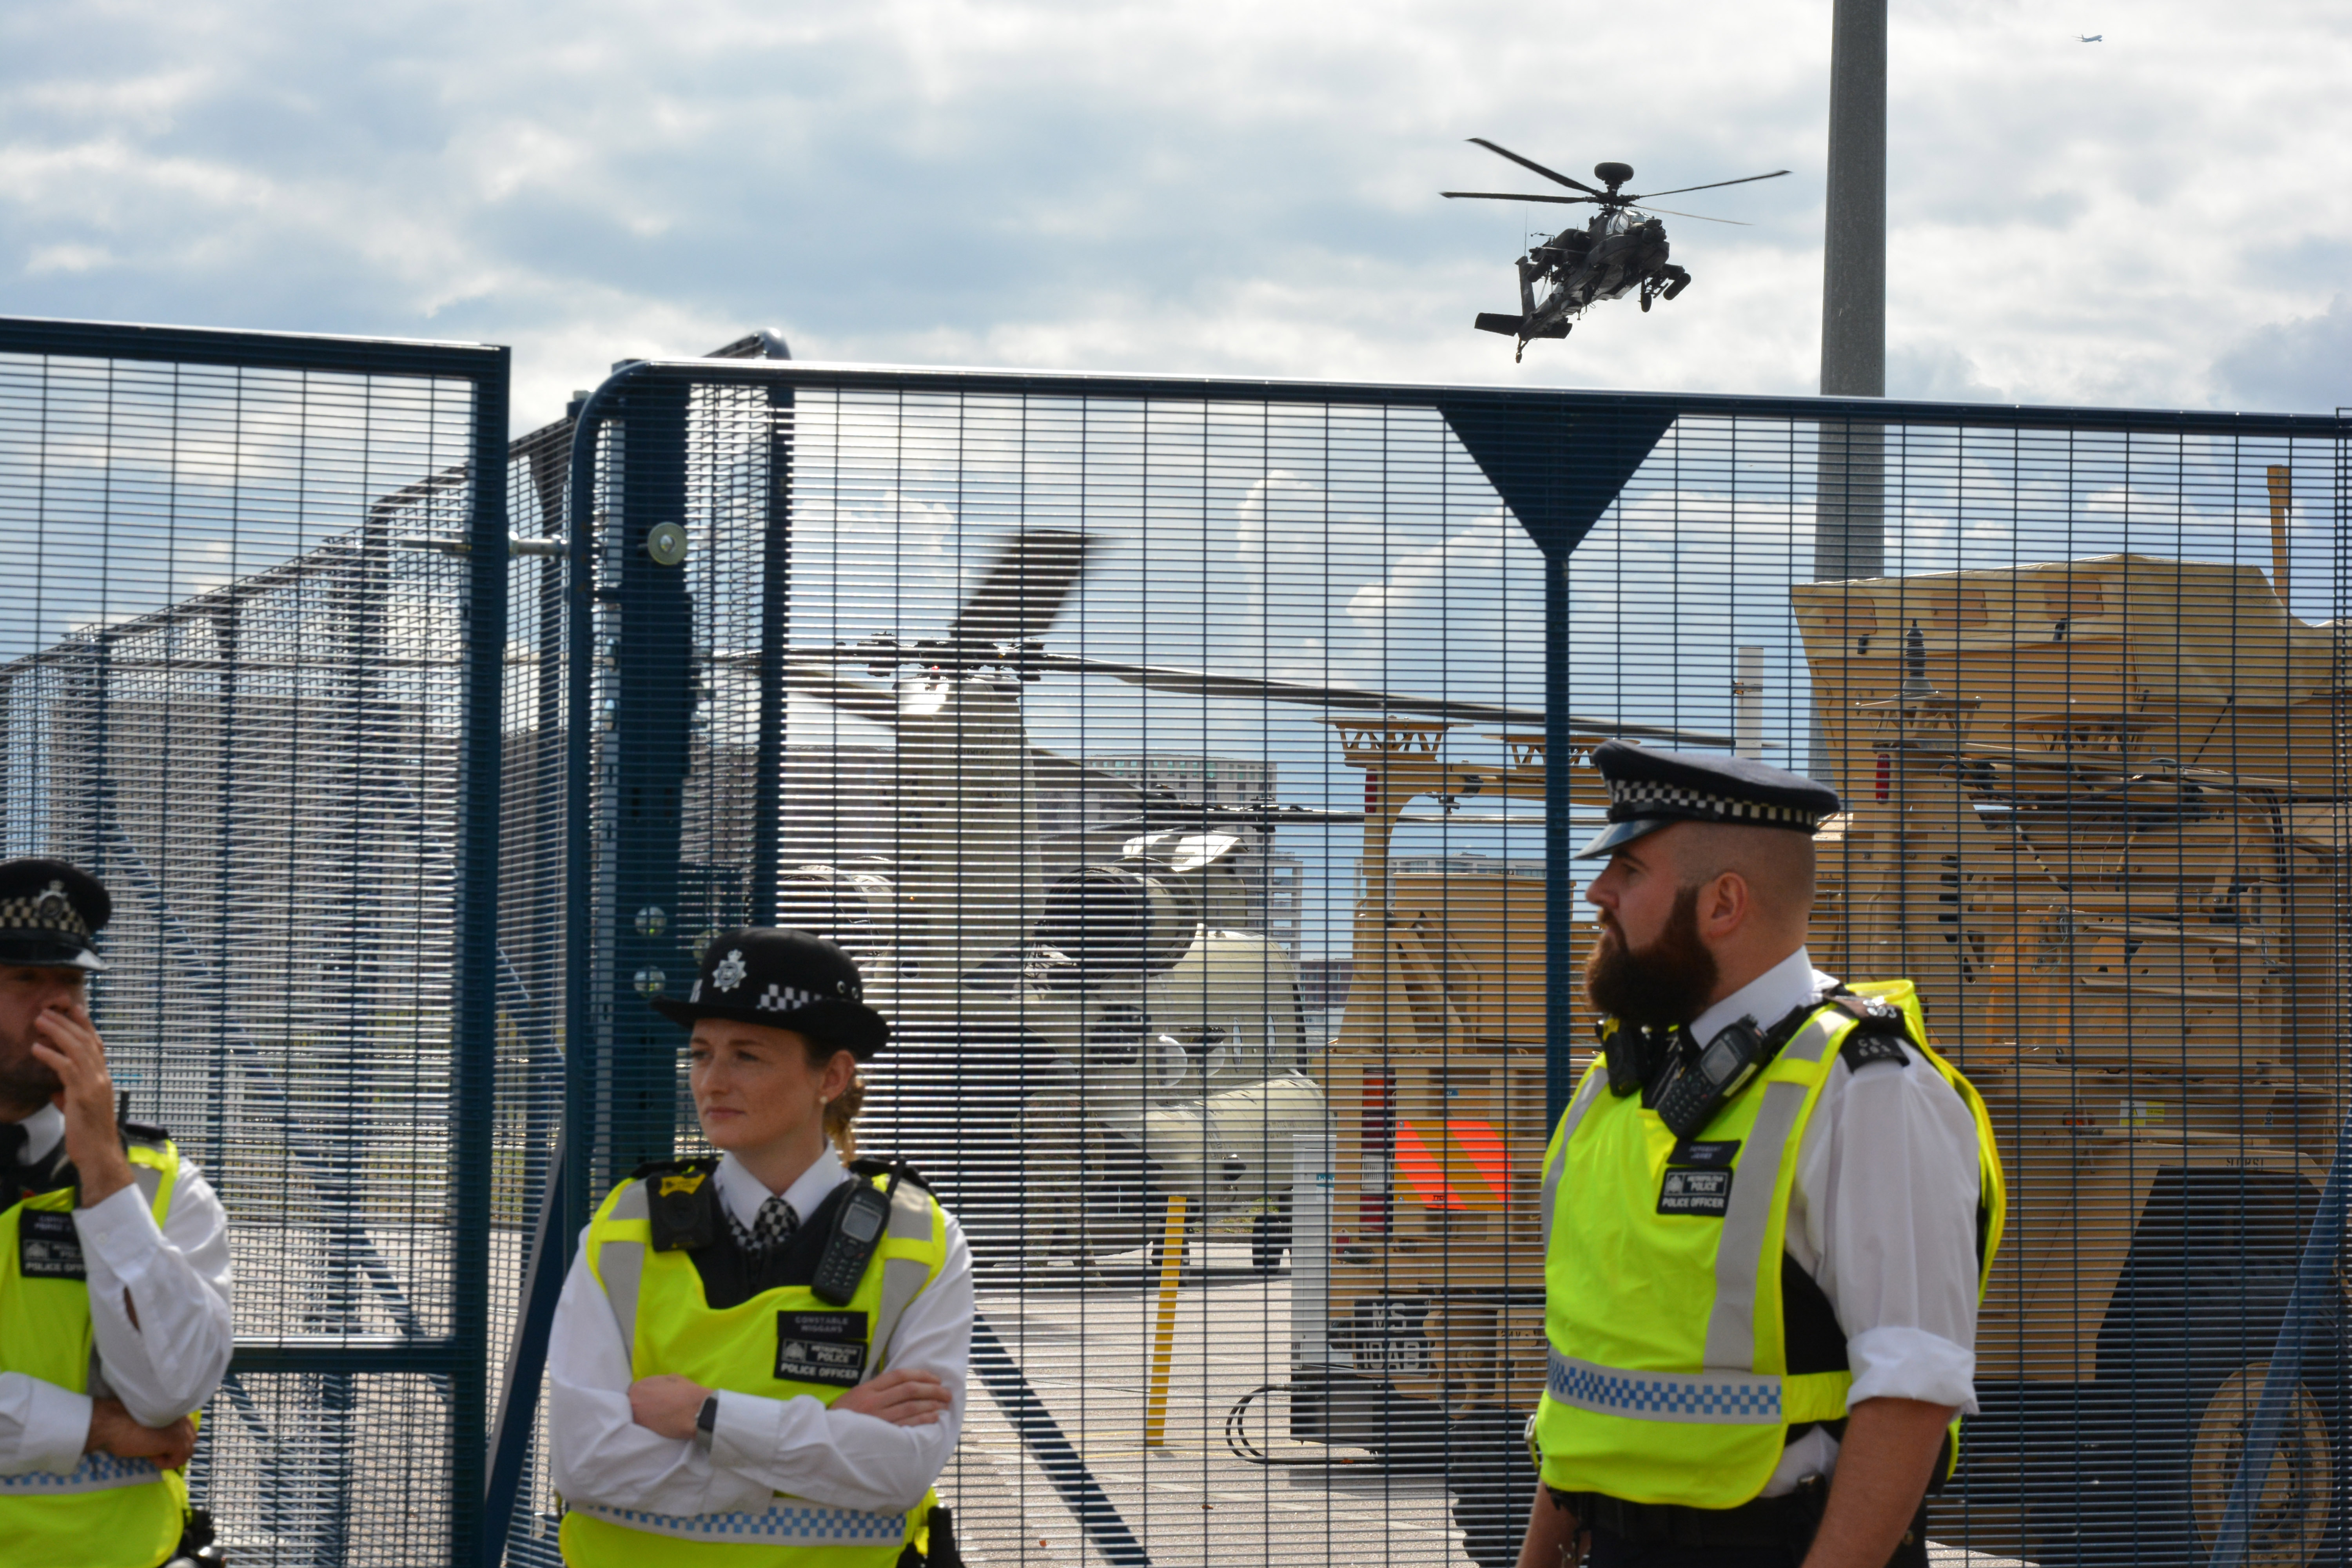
1202, 683
1512, 196
1019, 597
1678, 190
1734, 222
1552, 174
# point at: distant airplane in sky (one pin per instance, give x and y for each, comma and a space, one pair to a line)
2090, 38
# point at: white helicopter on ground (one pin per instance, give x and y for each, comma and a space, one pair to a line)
1079, 1034
1081, 1026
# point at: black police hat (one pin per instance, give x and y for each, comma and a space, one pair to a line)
50, 914
786, 980
1650, 788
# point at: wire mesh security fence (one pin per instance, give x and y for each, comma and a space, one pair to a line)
1191, 767
2086, 712
229, 692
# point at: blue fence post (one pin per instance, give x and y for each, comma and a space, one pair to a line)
474, 1059
2314, 1285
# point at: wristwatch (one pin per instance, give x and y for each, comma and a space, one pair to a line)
706, 1423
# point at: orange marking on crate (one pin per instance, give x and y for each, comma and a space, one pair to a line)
1453, 1164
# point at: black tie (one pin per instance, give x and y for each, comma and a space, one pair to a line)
13, 1139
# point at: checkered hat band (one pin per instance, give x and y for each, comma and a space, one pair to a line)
786, 999
1631, 799
1711, 1399
48, 912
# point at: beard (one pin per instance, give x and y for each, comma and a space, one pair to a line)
1665, 984
25, 1080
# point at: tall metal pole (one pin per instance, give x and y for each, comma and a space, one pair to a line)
1850, 506
1854, 273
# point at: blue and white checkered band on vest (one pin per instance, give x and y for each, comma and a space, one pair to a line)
1631, 799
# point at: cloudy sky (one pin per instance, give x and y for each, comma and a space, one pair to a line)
1219, 186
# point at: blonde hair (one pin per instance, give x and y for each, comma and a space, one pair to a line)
841, 1115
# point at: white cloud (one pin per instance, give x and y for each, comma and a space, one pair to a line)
1217, 187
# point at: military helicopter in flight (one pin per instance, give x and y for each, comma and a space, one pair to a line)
1621, 248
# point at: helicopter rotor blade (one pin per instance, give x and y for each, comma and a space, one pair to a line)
1734, 222
1551, 174
1204, 684
1021, 596
1678, 190
1510, 196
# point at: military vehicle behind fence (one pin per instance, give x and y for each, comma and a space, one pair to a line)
2097, 809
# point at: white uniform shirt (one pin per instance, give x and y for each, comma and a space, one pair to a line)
761, 1445
1883, 1216
177, 1279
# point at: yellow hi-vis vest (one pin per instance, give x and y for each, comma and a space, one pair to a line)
105, 1512
1668, 1379
670, 1328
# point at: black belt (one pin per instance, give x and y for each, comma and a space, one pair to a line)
1764, 1522
1788, 1521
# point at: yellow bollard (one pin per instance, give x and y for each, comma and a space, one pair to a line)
1164, 1341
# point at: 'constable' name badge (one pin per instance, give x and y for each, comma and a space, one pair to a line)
821, 1347
47, 1245
1695, 1192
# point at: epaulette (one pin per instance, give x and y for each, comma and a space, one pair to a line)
706, 1163
870, 1166
146, 1131
1880, 1031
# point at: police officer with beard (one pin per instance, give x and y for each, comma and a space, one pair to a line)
1769, 1208
114, 1268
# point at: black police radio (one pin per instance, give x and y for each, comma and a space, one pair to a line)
1697, 1089
849, 1246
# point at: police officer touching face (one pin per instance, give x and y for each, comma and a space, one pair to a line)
758, 1359
114, 1268
1769, 1210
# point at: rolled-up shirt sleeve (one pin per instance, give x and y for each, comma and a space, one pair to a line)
42, 1425
160, 1312
1888, 1182
160, 1304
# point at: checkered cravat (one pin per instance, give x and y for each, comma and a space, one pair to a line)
770, 1231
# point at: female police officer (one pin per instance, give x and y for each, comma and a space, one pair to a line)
758, 1359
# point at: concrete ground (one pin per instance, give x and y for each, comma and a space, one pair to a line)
1084, 1343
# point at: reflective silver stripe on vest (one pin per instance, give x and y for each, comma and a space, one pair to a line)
910, 1214
96, 1473
1739, 1253
1708, 1399
785, 1521
149, 1180
1595, 1081
623, 1263
903, 1278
